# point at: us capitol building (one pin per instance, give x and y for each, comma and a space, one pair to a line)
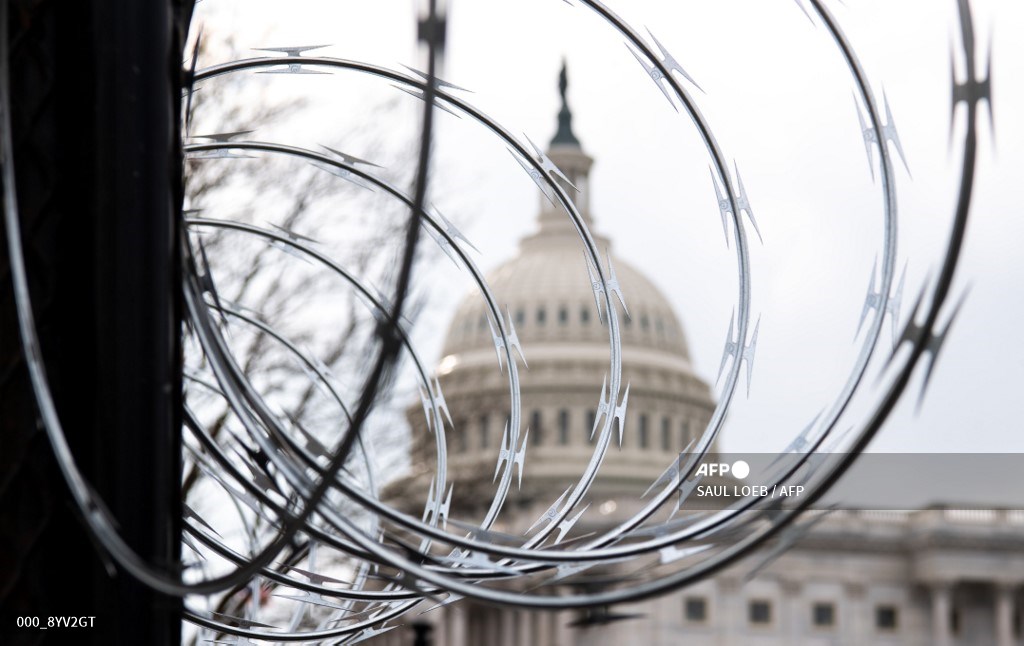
935, 577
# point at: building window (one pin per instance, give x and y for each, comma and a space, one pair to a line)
563, 315
666, 434
759, 612
695, 610
484, 440
591, 420
887, 618
563, 427
541, 315
642, 432
684, 433
535, 429
585, 315
460, 439
644, 322
823, 615
954, 621
520, 316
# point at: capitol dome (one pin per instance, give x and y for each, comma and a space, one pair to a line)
546, 292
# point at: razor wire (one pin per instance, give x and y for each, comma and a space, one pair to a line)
299, 501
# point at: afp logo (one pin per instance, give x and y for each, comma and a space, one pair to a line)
739, 469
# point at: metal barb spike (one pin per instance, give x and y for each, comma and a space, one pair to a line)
612, 284
892, 306
478, 560
549, 166
620, 414
800, 442
596, 284
450, 599
566, 525
724, 208
566, 570
870, 137
686, 485
552, 512
672, 473
873, 299
748, 353
891, 134
426, 408
513, 338
290, 250
499, 344
743, 203
800, 4
290, 51
298, 237
318, 579
349, 159
314, 599
972, 90
188, 512
603, 407
671, 63
513, 456
672, 553
369, 633
440, 405
224, 137
438, 103
536, 176
437, 82
912, 331
452, 231
434, 508
935, 345
655, 74
445, 509
428, 506
731, 347
441, 242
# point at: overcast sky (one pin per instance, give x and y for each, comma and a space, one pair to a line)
780, 101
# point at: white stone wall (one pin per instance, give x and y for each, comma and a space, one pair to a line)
856, 573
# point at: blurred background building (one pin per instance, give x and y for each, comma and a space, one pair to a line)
931, 577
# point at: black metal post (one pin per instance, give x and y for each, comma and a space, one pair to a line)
422, 632
96, 93
136, 196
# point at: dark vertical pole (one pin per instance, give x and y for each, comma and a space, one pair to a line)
421, 631
95, 95
136, 196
